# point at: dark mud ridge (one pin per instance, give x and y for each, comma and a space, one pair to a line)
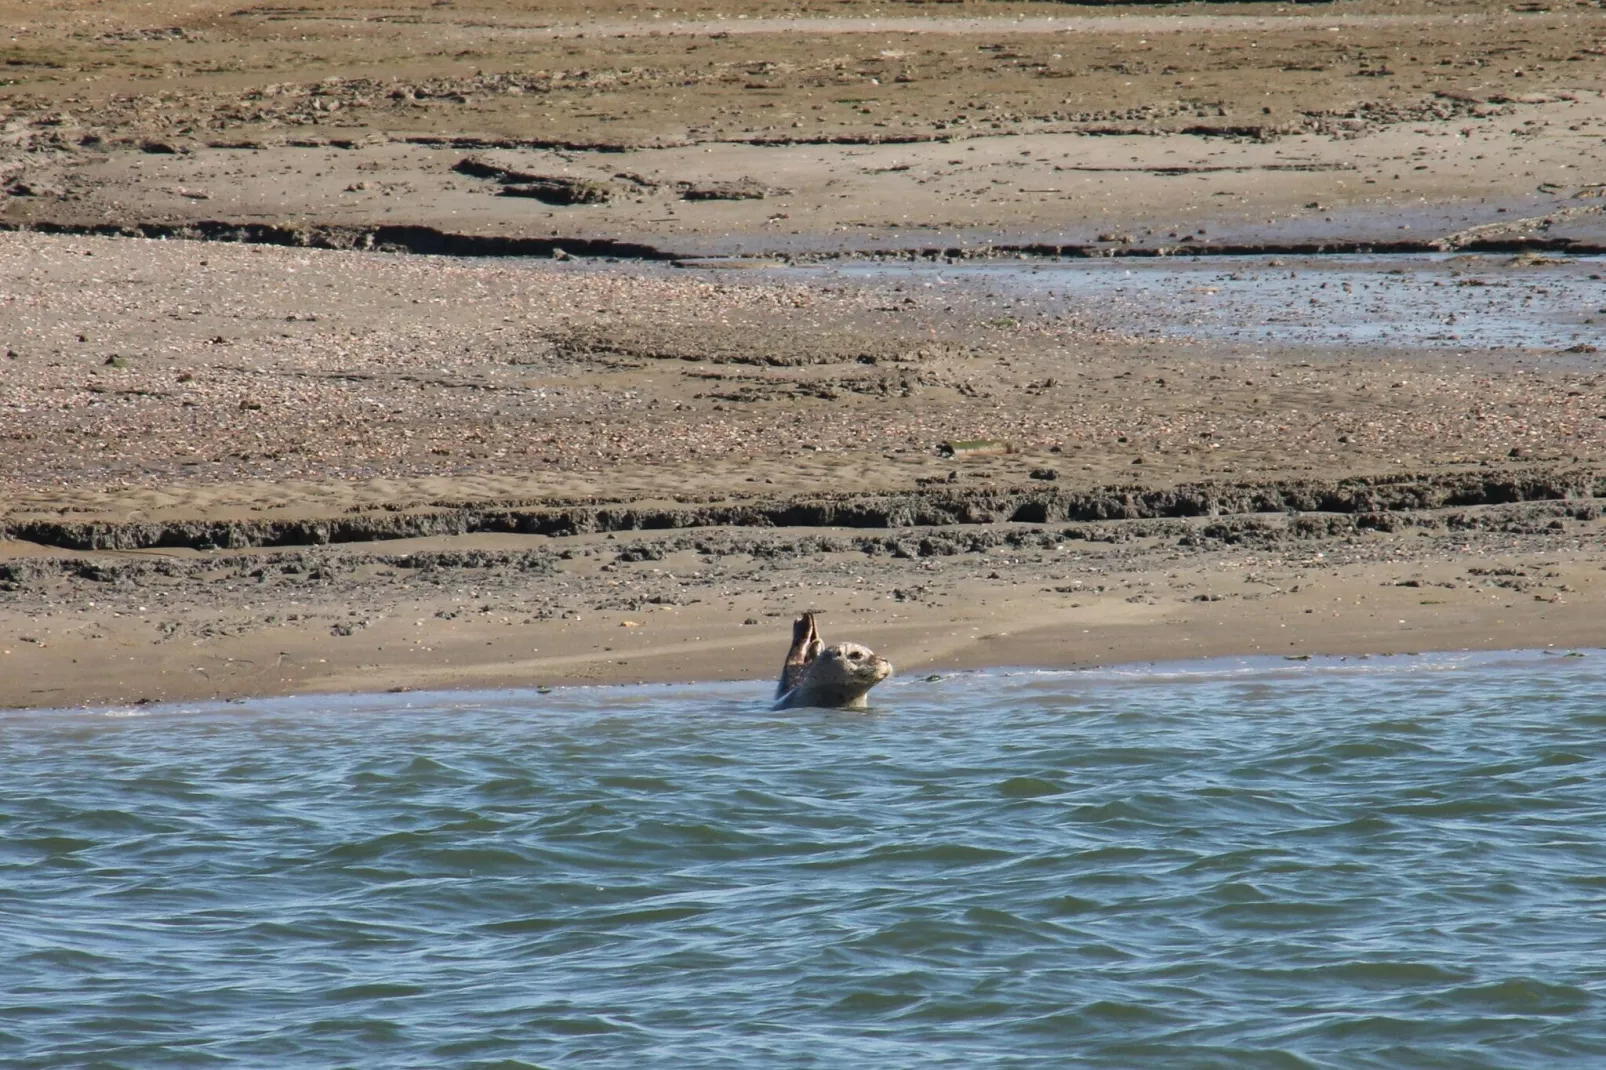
303, 567
398, 238
355, 566
432, 241
1379, 498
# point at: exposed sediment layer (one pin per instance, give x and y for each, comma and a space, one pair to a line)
911, 543
20, 573
400, 238
427, 240
1369, 498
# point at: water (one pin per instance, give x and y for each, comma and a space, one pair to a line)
1422, 301
1398, 862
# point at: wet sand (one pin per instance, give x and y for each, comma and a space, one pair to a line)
340, 620
314, 459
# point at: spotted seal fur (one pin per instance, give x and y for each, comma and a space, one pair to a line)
838, 676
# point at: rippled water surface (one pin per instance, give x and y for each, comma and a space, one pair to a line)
1400, 862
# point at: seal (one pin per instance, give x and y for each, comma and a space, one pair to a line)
838, 676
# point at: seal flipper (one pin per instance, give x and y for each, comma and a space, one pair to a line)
806, 647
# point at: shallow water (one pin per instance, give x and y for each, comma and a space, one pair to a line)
1427, 301
1391, 862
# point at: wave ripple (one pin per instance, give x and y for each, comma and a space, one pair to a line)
1225, 865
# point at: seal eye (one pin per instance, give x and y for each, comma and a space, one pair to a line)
855, 656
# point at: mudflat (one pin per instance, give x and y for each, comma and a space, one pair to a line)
353, 346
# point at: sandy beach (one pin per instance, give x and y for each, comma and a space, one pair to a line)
355, 347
